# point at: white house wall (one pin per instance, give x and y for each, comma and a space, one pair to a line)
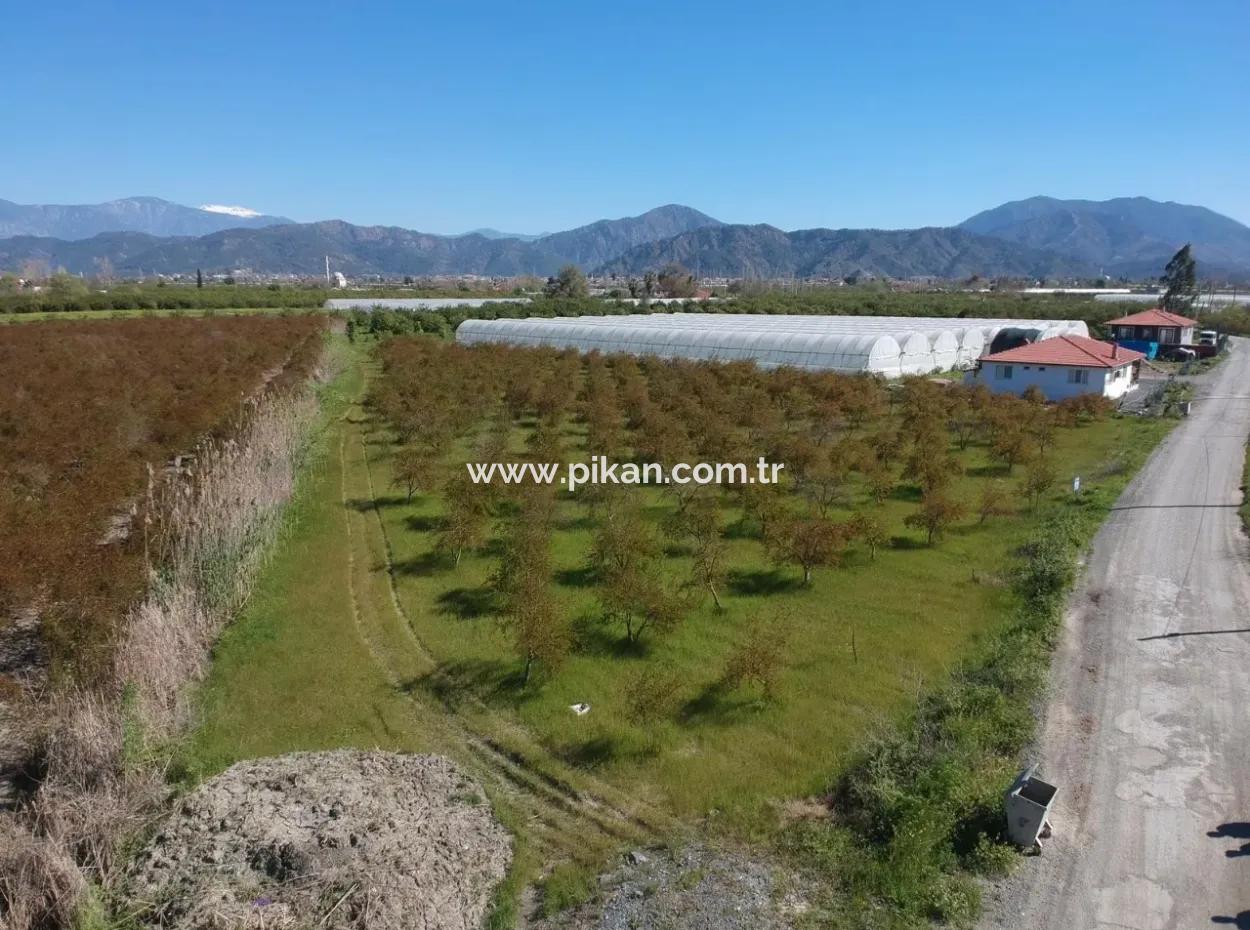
1052, 380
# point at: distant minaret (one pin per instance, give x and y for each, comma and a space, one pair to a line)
327, 271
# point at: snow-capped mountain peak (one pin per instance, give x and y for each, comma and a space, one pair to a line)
228, 210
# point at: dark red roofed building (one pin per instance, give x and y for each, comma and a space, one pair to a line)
1062, 367
1153, 331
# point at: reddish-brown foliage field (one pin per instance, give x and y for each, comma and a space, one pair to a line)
85, 408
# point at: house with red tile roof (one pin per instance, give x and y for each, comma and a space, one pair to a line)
1162, 327
1062, 367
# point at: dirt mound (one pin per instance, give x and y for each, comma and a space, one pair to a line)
329, 839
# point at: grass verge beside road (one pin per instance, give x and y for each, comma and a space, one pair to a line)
918, 815
1245, 492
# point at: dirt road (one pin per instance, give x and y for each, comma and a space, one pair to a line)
1148, 729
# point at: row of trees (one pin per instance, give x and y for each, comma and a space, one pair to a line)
672, 281
850, 445
87, 410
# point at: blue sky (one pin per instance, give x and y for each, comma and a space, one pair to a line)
540, 116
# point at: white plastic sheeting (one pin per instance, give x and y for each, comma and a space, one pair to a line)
874, 352
368, 304
889, 346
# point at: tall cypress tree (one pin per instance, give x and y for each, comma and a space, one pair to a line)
1180, 280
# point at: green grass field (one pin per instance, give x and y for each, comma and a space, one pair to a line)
297, 670
360, 635
912, 612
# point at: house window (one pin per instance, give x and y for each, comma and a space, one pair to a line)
1168, 334
1148, 333
1078, 376
1002, 372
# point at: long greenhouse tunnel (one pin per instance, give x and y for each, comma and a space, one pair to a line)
888, 346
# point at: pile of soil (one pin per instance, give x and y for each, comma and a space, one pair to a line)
326, 839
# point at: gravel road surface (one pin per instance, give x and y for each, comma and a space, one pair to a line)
1147, 733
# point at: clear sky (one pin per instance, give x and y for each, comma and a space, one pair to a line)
536, 116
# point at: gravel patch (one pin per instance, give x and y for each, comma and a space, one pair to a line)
331, 839
695, 888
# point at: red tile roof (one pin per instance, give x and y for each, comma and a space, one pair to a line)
1155, 317
1075, 351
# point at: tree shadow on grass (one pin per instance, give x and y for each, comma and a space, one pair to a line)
597, 637
570, 524
760, 582
993, 470
493, 680
428, 563
907, 543
468, 603
583, 577
743, 528
591, 753
493, 549
423, 523
365, 504
907, 493
720, 705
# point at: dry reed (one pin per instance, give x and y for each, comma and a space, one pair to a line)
209, 526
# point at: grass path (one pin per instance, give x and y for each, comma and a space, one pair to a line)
325, 656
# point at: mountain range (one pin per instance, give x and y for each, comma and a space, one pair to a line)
1127, 234
1041, 237
150, 215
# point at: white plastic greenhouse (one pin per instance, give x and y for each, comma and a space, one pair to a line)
889, 346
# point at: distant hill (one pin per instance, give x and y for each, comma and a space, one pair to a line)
300, 248
591, 246
149, 215
767, 252
1134, 236
487, 233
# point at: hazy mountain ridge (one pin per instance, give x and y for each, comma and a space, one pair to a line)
487, 232
150, 215
301, 248
767, 252
1124, 235
1040, 237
